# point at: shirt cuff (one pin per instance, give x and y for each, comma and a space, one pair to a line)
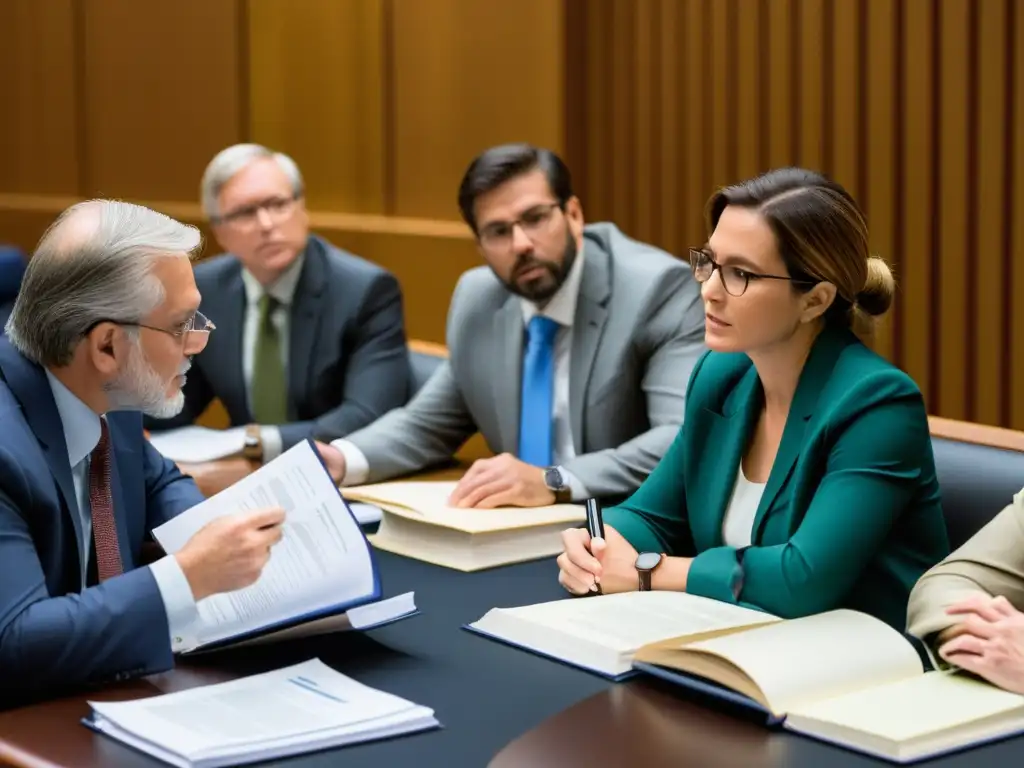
271, 439
357, 468
179, 603
576, 487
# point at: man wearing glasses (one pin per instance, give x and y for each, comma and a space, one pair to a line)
104, 326
311, 338
570, 351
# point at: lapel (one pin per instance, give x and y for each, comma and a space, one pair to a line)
31, 388
721, 445
588, 327
816, 373
506, 368
304, 323
225, 347
122, 459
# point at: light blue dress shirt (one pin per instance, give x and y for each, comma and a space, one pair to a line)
81, 435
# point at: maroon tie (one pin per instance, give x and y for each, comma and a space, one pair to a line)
104, 529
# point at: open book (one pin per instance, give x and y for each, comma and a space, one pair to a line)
290, 711
321, 576
841, 676
417, 522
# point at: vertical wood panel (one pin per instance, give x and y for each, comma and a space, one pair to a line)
782, 74
316, 92
881, 109
469, 74
697, 166
722, 60
845, 86
984, 258
156, 112
917, 204
38, 128
747, 117
1014, 205
954, 203
674, 118
810, 107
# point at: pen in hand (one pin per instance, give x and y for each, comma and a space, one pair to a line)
595, 527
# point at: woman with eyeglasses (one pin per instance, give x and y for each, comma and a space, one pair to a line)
802, 479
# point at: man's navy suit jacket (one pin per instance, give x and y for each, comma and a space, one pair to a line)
55, 631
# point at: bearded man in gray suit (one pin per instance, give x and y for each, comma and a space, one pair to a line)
570, 352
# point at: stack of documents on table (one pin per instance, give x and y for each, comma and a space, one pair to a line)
418, 522
195, 444
321, 577
290, 711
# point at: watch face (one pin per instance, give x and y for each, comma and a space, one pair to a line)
647, 560
553, 479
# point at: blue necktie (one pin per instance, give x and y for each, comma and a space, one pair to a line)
537, 398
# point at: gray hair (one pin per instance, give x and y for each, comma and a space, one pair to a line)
230, 161
94, 263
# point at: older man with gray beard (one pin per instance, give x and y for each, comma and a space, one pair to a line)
102, 331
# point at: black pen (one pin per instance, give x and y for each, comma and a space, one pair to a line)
595, 522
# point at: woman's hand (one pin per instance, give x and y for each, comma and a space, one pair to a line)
610, 562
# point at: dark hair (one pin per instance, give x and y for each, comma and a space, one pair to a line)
492, 168
821, 234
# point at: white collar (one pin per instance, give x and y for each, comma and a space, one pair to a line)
562, 306
80, 422
282, 289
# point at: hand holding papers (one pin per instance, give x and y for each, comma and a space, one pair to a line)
289, 711
418, 521
321, 567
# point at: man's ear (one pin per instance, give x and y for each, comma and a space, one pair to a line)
105, 345
817, 301
574, 213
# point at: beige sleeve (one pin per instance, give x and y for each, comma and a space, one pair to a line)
991, 562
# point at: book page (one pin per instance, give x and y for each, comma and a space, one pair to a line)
803, 660
197, 444
427, 502
914, 708
322, 560
624, 622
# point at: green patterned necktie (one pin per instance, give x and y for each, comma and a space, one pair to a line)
269, 387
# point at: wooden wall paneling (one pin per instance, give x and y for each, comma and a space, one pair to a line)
621, 160
155, 113
812, 65
674, 119
955, 201
696, 160
783, 83
845, 95
879, 162
316, 92
749, 132
39, 127
1014, 206
646, 73
717, 46
916, 204
587, 30
984, 259
468, 74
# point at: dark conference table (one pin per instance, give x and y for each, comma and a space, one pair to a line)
489, 698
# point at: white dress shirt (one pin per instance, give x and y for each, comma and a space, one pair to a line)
81, 435
562, 309
738, 523
283, 291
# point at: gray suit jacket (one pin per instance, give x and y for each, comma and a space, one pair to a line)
348, 361
638, 331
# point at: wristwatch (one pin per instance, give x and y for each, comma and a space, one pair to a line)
646, 562
252, 448
555, 482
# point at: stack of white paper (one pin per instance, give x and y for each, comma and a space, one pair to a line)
198, 444
301, 708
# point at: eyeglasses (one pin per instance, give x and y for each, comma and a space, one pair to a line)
734, 279
497, 235
248, 217
194, 332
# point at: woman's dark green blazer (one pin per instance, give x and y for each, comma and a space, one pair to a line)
851, 514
